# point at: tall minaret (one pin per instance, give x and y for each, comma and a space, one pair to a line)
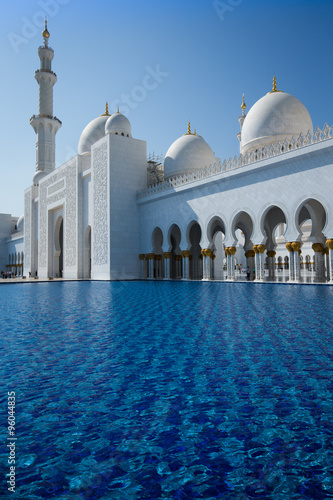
45, 124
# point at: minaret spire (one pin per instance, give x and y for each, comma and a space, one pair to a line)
243, 106
241, 120
45, 124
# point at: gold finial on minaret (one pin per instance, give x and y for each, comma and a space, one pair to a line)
106, 110
189, 128
243, 106
46, 34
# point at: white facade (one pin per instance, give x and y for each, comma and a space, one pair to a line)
267, 210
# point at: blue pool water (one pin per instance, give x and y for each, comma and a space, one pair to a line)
148, 390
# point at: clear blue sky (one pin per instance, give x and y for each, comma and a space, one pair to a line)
208, 53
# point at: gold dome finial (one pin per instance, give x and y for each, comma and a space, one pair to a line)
118, 110
189, 128
243, 106
46, 34
274, 87
106, 110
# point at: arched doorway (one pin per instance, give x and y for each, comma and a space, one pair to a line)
274, 226
58, 248
87, 253
311, 220
176, 258
242, 229
157, 242
194, 236
216, 234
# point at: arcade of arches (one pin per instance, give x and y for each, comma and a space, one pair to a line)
205, 256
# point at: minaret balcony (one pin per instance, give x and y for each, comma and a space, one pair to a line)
45, 71
37, 120
45, 74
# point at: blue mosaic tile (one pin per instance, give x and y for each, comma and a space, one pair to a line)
147, 390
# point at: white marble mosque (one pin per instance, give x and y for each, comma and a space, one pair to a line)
100, 216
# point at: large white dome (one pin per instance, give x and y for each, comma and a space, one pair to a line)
118, 124
273, 118
93, 132
189, 152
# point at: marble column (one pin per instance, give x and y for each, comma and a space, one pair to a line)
207, 263
296, 248
261, 249
232, 251
329, 244
186, 264
318, 249
289, 247
167, 257
227, 255
151, 259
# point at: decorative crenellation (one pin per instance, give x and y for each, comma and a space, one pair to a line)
240, 161
101, 212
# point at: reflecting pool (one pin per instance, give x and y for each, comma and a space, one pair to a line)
173, 390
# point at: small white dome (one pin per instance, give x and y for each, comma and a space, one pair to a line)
20, 223
118, 124
273, 118
38, 176
93, 132
189, 152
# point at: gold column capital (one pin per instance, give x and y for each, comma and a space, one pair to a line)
249, 253
289, 246
206, 252
329, 244
317, 247
167, 255
296, 246
271, 253
150, 256
186, 253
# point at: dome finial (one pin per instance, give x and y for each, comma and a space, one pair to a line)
274, 87
243, 106
189, 128
46, 34
118, 109
106, 110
